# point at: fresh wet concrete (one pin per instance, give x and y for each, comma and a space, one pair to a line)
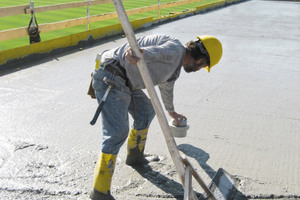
244, 116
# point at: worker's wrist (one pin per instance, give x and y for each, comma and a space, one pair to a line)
171, 112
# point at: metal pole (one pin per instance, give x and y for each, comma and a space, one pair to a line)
88, 15
32, 13
32, 6
159, 6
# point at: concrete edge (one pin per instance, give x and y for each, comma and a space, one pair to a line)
34, 51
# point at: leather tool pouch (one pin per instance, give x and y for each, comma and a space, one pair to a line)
91, 90
33, 30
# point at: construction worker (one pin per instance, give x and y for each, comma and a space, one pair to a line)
165, 56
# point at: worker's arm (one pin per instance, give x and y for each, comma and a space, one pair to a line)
166, 52
166, 91
176, 116
130, 57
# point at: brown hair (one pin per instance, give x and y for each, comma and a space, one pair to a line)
197, 50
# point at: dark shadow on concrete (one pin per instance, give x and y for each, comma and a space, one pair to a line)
220, 178
165, 184
200, 156
171, 187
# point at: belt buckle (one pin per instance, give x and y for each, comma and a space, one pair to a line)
102, 66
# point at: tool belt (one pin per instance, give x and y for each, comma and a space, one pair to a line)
117, 70
91, 90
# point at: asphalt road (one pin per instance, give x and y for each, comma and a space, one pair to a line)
244, 116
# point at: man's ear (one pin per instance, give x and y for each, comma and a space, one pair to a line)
200, 60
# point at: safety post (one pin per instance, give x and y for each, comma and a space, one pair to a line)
171, 144
159, 7
88, 15
32, 6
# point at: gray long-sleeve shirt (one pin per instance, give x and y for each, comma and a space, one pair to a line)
163, 56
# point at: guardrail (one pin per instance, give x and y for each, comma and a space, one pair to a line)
26, 9
30, 51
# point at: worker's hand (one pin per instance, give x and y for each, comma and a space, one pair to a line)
176, 117
130, 57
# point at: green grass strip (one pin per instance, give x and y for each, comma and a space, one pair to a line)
18, 21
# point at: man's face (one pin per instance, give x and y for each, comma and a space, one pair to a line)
194, 66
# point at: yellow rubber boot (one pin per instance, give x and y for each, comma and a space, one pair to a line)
103, 173
136, 146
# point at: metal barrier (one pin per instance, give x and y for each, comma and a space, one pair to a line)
26, 9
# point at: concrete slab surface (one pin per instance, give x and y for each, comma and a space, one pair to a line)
244, 116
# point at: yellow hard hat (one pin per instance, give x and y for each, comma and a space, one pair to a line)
214, 49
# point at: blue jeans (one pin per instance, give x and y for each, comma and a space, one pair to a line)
115, 123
